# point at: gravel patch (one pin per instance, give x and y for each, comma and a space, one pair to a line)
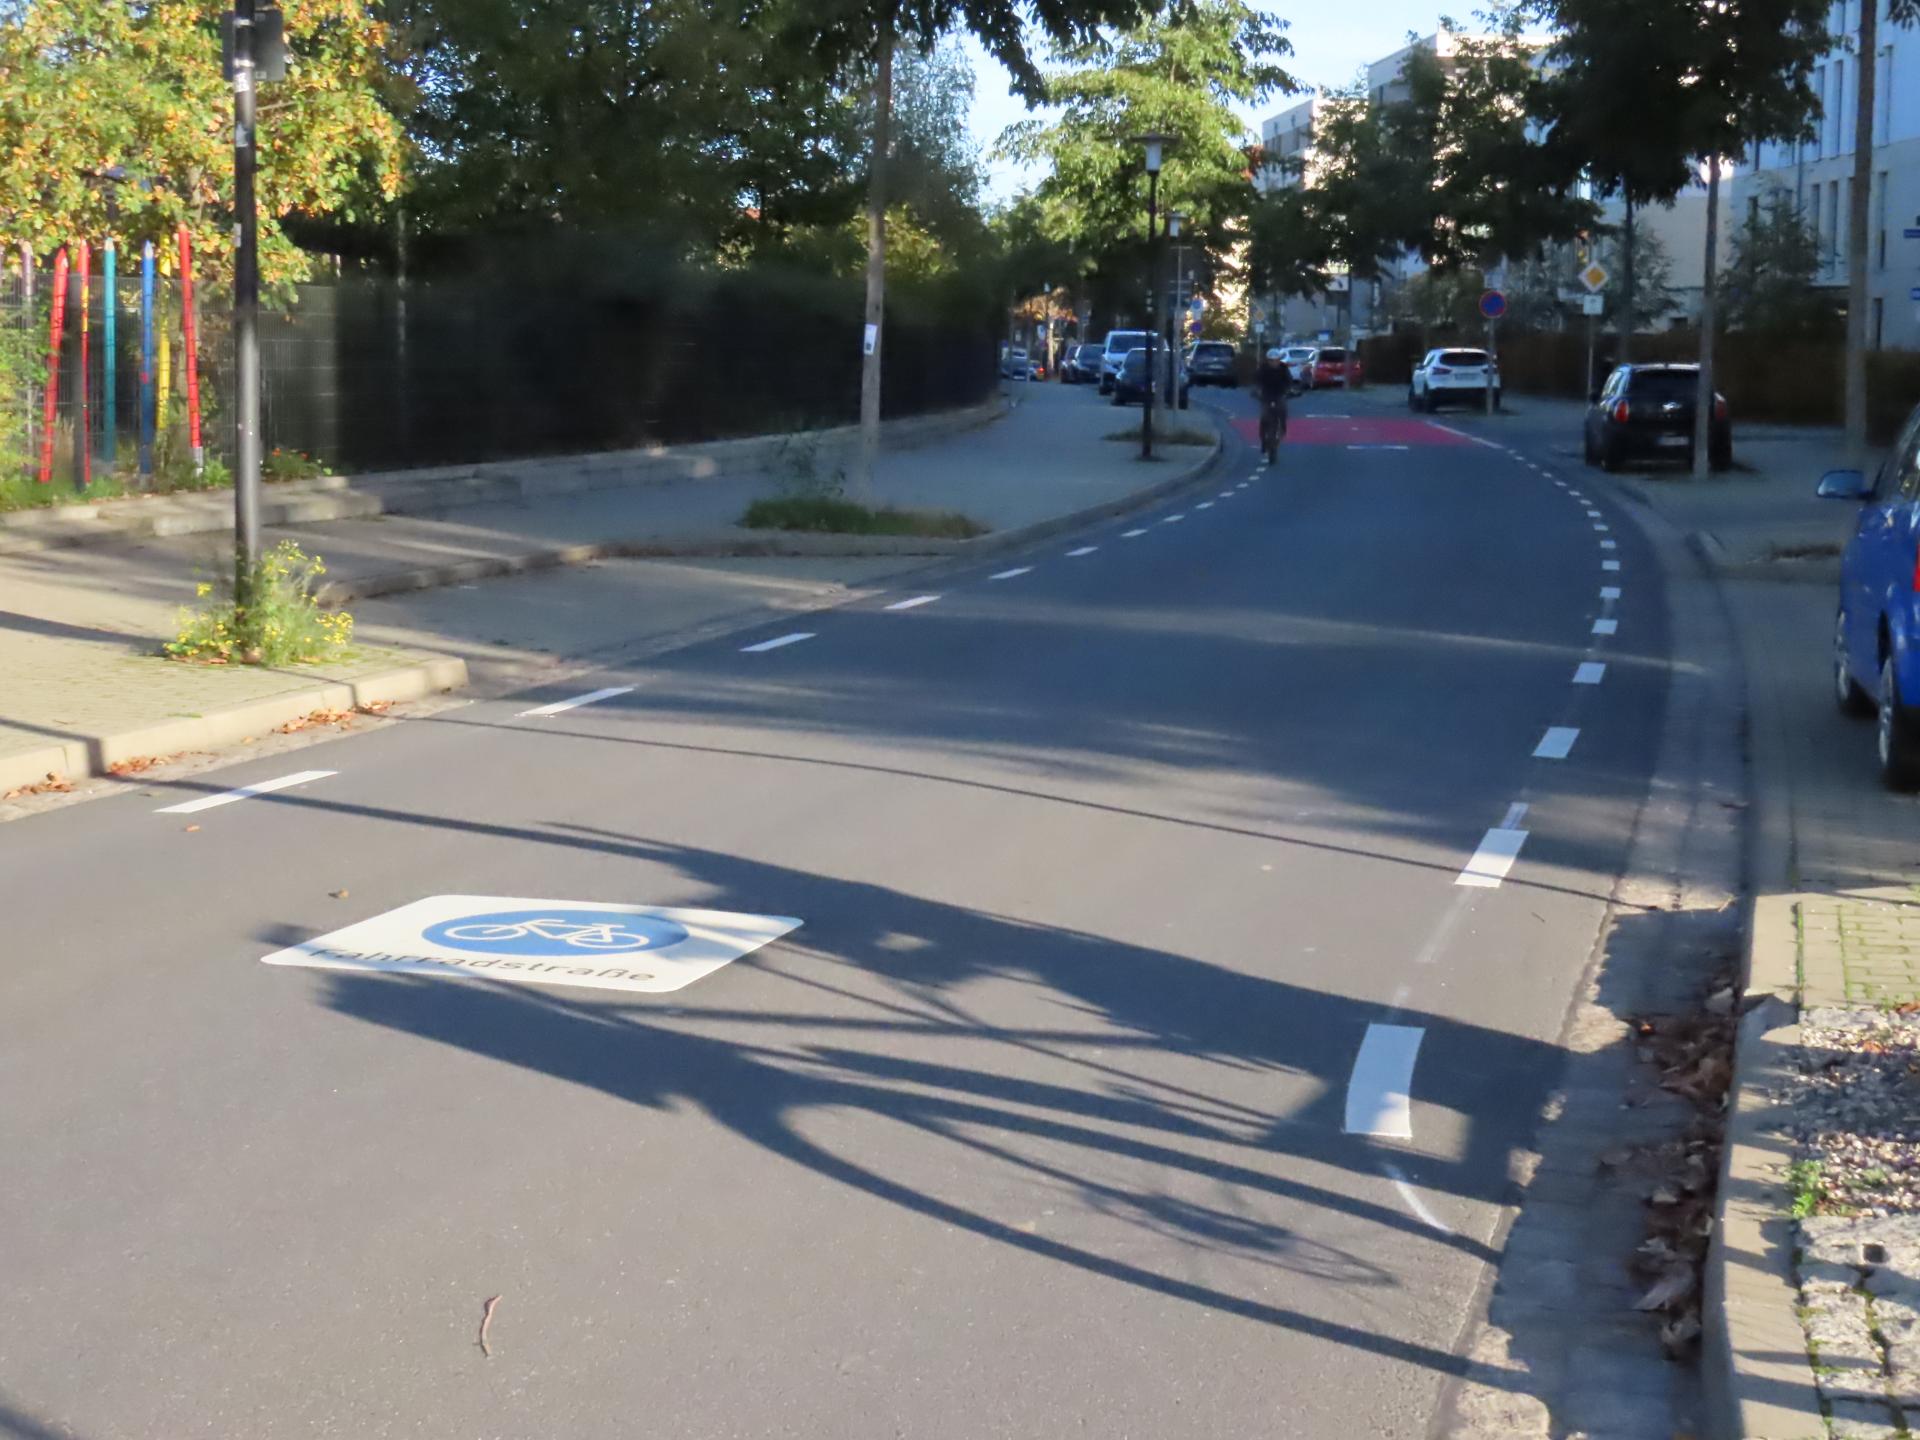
1857, 1112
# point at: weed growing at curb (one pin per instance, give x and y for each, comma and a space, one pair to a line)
283, 625
1803, 1179
1173, 435
828, 514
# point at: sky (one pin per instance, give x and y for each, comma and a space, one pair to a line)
1330, 43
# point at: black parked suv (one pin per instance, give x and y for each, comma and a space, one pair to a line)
1211, 363
1644, 411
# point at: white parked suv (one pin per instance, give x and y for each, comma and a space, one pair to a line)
1448, 375
1299, 360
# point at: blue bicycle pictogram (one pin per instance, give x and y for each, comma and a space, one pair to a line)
555, 933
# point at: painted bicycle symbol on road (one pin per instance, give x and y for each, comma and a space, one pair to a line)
555, 933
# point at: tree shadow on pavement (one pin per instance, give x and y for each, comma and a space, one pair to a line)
1137, 1084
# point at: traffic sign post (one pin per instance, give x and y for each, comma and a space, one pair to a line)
1595, 277
1493, 304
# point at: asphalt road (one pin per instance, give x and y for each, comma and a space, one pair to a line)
1130, 885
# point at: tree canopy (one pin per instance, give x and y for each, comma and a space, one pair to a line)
115, 118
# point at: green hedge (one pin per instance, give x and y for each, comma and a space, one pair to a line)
1778, 381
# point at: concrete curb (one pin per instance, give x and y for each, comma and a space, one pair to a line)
750, 543
1758, 1378
81, 757
1808, 570
452, 487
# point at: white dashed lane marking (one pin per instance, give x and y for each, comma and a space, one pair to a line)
1609, 564
593, 697
775, 644
1591, 672
1609, 592
1083, 550
1012, 574
1379, 1092
1499, 848
914, 604
1606, 627
245, 792
1131, 534
1557, 743
1173, 520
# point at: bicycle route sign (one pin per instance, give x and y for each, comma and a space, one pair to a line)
600, 946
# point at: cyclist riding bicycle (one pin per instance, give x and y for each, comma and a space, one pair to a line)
1275, 381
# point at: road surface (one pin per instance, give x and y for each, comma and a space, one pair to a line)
1141, 1066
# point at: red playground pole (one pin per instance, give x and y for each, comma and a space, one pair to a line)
83, 432
54, 328
192, 330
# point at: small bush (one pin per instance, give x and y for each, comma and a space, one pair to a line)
278, 465
833, 516
282, 626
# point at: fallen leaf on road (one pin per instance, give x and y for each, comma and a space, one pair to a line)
1671, 1287
191, 828
338, 894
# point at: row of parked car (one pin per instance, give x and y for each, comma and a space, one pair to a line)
1118, 365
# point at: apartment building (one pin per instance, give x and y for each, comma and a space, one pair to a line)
1818, 174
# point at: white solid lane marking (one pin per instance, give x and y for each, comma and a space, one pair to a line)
245, 792
1609, 564
1010, 574
1131, 534
1557, 743
794, 639
592, 698
1083, 550
1379, 1092
1376, 447
914, 604
1173, 520
1591, 672
1499, 848
1414, 1202
1609, 592
1606, 627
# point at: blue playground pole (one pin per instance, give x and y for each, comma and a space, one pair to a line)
146, 359
109, 298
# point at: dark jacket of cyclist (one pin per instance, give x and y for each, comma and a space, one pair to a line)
1275, 381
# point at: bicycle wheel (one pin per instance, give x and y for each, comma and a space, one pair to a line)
486, 932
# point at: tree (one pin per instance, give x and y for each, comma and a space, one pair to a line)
1618, 72
1770, 273
1753, 68
1649, 297
1289, 249
849, 32
1180, 74
697, 124
1867, 66
95, 87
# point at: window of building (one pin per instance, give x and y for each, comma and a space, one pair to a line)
1837, 106
1820, 89
1883, 98
1879, 321
1813, 216
1834, 222
1880, 220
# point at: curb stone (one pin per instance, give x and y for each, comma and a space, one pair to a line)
442, 488
749, 543
82, 757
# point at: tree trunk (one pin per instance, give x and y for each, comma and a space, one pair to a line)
1626, 289
860, 479
1858, 209
1703, 402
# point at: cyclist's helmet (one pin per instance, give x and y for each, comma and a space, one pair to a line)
1276, 355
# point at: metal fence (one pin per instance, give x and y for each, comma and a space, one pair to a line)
365, 373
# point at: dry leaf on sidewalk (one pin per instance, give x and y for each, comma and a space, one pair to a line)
1668, 1290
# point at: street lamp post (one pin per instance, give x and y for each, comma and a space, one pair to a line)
1156, 146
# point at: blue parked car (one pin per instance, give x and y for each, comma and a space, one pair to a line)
1876, 635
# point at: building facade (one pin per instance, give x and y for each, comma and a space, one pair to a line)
1818, 174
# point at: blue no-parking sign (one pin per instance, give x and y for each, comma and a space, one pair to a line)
1493, 304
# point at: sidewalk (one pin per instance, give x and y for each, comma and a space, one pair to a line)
80, 626
1819, 1318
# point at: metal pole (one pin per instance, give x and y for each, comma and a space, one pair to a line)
146, 358
109, 303
1153, 292
83, 426
246, 314
190, 350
